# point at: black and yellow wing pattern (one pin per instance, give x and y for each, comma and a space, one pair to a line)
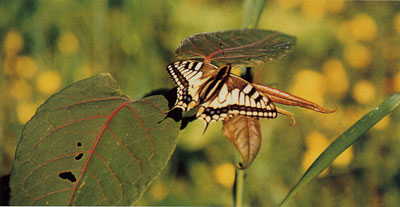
217, 92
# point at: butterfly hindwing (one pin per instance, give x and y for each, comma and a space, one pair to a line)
237, 97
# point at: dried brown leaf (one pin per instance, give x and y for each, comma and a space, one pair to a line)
245, 133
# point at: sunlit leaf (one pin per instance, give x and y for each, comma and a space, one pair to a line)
245, 133
89, 145
237, 47
343, 142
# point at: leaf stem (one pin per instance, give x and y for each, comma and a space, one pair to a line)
239, 187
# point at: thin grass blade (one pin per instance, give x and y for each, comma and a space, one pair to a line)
343, 142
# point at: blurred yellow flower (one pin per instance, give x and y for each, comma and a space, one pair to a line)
313, 9
344, 158
397, 22
288, 4
383, 123
352, 115
13, 42
335, 6
396, 84
159, 191
363, 27
335, 78
358, 56
20, 90
343, 32
25, 110
48, 82
84, 71
309, 85
225, 174
316, 143
364, 92
26, 67
67, 43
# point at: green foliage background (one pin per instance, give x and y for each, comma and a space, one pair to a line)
347, 56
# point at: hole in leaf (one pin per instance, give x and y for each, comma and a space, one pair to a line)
68, 176
79, 144
78, 157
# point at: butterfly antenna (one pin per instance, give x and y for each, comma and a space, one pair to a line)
288, 114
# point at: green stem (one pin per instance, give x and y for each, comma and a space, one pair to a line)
252, 13
239, 187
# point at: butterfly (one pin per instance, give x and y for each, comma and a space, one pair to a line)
218, 93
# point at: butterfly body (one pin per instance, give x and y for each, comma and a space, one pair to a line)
218, 93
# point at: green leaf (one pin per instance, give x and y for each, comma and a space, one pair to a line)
343, 142
237, 47
89, 145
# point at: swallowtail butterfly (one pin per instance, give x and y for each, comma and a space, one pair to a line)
217, 92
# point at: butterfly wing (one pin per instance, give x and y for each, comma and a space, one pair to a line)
189, 76
237, 97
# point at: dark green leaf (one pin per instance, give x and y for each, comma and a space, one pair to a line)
344, 141
89, 145
237, 47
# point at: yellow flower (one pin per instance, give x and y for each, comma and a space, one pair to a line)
313, 9
26, 67
383, 123
316, 143
397, 22
344, 158
364, 92
309, 85
20, 90
397, 82
358, 56
13, 42
67, 43
25, 110
48, 82
84, 71
225, 174
335, 78
335, 6
363, 27
159, 191
343, 32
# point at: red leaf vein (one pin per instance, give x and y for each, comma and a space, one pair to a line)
93, 148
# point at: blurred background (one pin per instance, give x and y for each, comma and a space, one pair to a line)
347, 55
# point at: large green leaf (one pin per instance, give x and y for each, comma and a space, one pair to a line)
343, 142
237, 47
89, 145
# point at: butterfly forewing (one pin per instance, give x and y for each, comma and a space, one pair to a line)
189, 76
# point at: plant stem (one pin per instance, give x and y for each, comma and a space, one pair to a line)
239, 187
252, 13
